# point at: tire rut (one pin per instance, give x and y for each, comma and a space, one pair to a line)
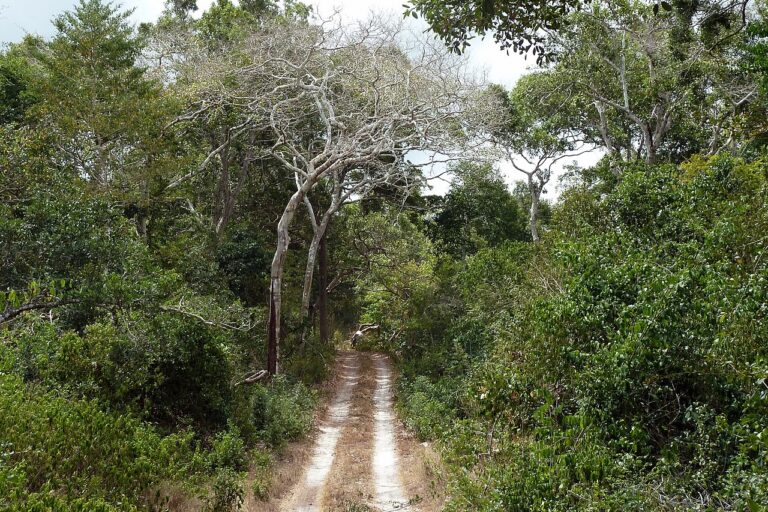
386, 475
308, 495
355, 461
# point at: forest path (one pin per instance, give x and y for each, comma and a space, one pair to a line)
361, 459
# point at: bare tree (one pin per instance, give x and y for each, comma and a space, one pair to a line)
340, 104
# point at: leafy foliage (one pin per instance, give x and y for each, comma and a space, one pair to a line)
515, 24
619, 363
630, 363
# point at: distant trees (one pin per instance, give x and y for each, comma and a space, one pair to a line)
477, 211
534, 136
666, 77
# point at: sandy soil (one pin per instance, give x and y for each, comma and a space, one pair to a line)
360, 459
307, 496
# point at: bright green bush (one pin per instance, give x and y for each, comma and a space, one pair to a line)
228, 451
427, 410
76, 451
282, 411
622, 362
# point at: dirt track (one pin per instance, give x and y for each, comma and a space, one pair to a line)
360, 458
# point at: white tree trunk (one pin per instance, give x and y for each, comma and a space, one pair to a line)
319, 232
533, 218
276, 280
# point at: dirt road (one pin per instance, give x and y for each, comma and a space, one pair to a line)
361, 460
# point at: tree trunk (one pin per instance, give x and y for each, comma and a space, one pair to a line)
309, 272
273, 332
318, 238
276, 281
322, 294
142, 220
650, 144
534, 212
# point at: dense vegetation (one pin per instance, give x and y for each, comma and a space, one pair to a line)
194, 214
128, 326
620, 363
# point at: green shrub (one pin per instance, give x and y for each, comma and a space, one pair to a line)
426, 407
622, 367
260, 486
227, 492
77, 451
282, 411
262, 477
309, 361
227, 451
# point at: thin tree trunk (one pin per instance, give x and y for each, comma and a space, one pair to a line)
322, 295
276, 281
309, 272
318, 239
319, 235
273, 331
534, 212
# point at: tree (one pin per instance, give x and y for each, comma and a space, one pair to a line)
478, 211
16, 98
516, 24
534, 136
341, 105
664, 76
395, 282
95, 53
355, 182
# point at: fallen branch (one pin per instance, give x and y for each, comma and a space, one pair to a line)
252, 377
360, 332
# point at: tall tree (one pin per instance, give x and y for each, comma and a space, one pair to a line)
342, 106
534, 136
664, 75
96, 96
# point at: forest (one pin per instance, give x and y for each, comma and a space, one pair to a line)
215, 228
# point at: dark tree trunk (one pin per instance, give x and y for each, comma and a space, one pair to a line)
272, 336
322, 295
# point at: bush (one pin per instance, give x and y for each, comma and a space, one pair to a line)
72, 449
426, 407
227, 493
228, 451
262, 478
622, 367
260, 486
282, 411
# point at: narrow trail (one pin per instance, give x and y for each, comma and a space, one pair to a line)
361, 459
308, 494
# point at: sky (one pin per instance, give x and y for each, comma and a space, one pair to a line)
19, 17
